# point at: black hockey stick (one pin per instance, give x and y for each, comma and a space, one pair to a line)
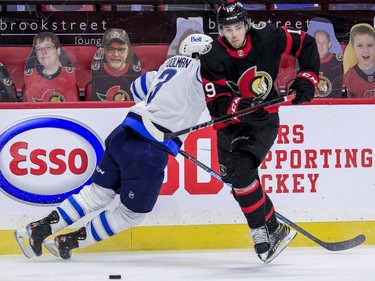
330, 246
161, 136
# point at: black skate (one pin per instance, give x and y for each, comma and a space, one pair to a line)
63, 245
35, 233
279, 240
261, 241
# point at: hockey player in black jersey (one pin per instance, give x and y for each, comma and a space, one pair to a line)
242, 66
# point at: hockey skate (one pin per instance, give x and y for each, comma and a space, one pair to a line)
279, 240
261, 241
63, 245
31, 238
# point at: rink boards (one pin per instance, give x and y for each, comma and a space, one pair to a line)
319, 174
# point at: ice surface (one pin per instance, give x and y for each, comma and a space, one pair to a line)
302, 264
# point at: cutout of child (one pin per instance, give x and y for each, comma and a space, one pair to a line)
359, 62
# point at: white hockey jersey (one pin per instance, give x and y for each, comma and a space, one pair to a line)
173, 98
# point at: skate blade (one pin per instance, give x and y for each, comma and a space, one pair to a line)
23, 240
286, 241
51, 247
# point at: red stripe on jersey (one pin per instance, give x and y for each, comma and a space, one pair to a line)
289, 40
327, 58
272, 109
270, 213
252, 208
116, 73
238, 53
303, 35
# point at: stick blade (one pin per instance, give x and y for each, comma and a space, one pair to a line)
344, 245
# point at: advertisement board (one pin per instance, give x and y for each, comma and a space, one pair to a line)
321, 167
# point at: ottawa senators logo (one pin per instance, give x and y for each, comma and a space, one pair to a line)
114, 93
324, 87
50, 96
253, 83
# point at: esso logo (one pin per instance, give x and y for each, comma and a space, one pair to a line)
45, 160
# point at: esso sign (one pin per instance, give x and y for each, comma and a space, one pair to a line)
201, 145
44, 160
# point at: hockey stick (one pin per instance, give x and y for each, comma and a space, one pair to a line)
330, 246
161, 136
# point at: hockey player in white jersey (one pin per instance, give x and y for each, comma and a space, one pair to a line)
133, 162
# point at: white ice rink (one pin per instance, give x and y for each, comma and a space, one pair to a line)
302, 264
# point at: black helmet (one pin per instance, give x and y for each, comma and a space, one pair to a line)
230, 12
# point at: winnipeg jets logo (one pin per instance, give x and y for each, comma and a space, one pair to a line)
253, 83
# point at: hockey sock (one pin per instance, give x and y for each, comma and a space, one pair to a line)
91, 198
108, 223
252, 201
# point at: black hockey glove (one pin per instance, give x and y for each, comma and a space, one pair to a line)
256, 116
304, 86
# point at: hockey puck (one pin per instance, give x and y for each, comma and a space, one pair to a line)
114, 276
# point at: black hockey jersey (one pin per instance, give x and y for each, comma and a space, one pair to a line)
110, 86
330, 77
251, 70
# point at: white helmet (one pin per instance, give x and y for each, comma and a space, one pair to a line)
195, 44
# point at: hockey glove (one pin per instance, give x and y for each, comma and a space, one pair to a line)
239, 104
304, 86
